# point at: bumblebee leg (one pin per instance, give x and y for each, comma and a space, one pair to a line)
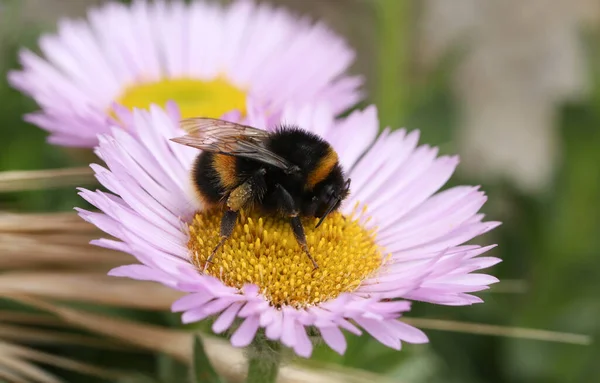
227, 224
298, 230
239, 198
251, 190
290, 210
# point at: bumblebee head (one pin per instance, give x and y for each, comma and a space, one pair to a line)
329, 194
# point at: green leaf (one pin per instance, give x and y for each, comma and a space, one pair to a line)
203, 370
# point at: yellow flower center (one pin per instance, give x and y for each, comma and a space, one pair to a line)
264, 251
195, 98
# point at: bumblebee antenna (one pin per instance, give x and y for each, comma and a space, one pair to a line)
329, 210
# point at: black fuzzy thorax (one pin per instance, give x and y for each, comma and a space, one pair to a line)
299, 147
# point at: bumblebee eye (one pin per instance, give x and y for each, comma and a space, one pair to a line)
329, 192
347, 185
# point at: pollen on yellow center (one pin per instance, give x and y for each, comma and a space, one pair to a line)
195, 98
264, 251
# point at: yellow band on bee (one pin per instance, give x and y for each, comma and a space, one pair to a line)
323, 168
226, 167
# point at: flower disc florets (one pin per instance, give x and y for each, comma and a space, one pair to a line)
263, 251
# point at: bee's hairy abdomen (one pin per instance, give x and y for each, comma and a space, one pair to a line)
213, 176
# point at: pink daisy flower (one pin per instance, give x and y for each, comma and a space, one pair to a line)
395, 239
205, 57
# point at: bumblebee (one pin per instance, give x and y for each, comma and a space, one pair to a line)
289, 172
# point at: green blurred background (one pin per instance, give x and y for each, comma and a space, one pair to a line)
514, 88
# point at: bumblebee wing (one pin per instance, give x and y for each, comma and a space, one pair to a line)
211, 127
232, 139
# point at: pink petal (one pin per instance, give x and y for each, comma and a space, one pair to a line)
275, 327
379, 331
288, 335
191, 301
226, 318
303, 346
334, 338
246, 332
407, 332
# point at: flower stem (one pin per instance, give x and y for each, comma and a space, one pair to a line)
264, 358
393, 64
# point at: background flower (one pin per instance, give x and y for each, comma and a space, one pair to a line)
150, 208
206, 57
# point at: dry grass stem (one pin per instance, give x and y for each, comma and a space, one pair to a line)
29, 335
57, 361
89, 287
44, 252
9, 376
29, 318
504, 331
20, 180
65, 363
68, 222
51, 240
21, 369
509, 286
